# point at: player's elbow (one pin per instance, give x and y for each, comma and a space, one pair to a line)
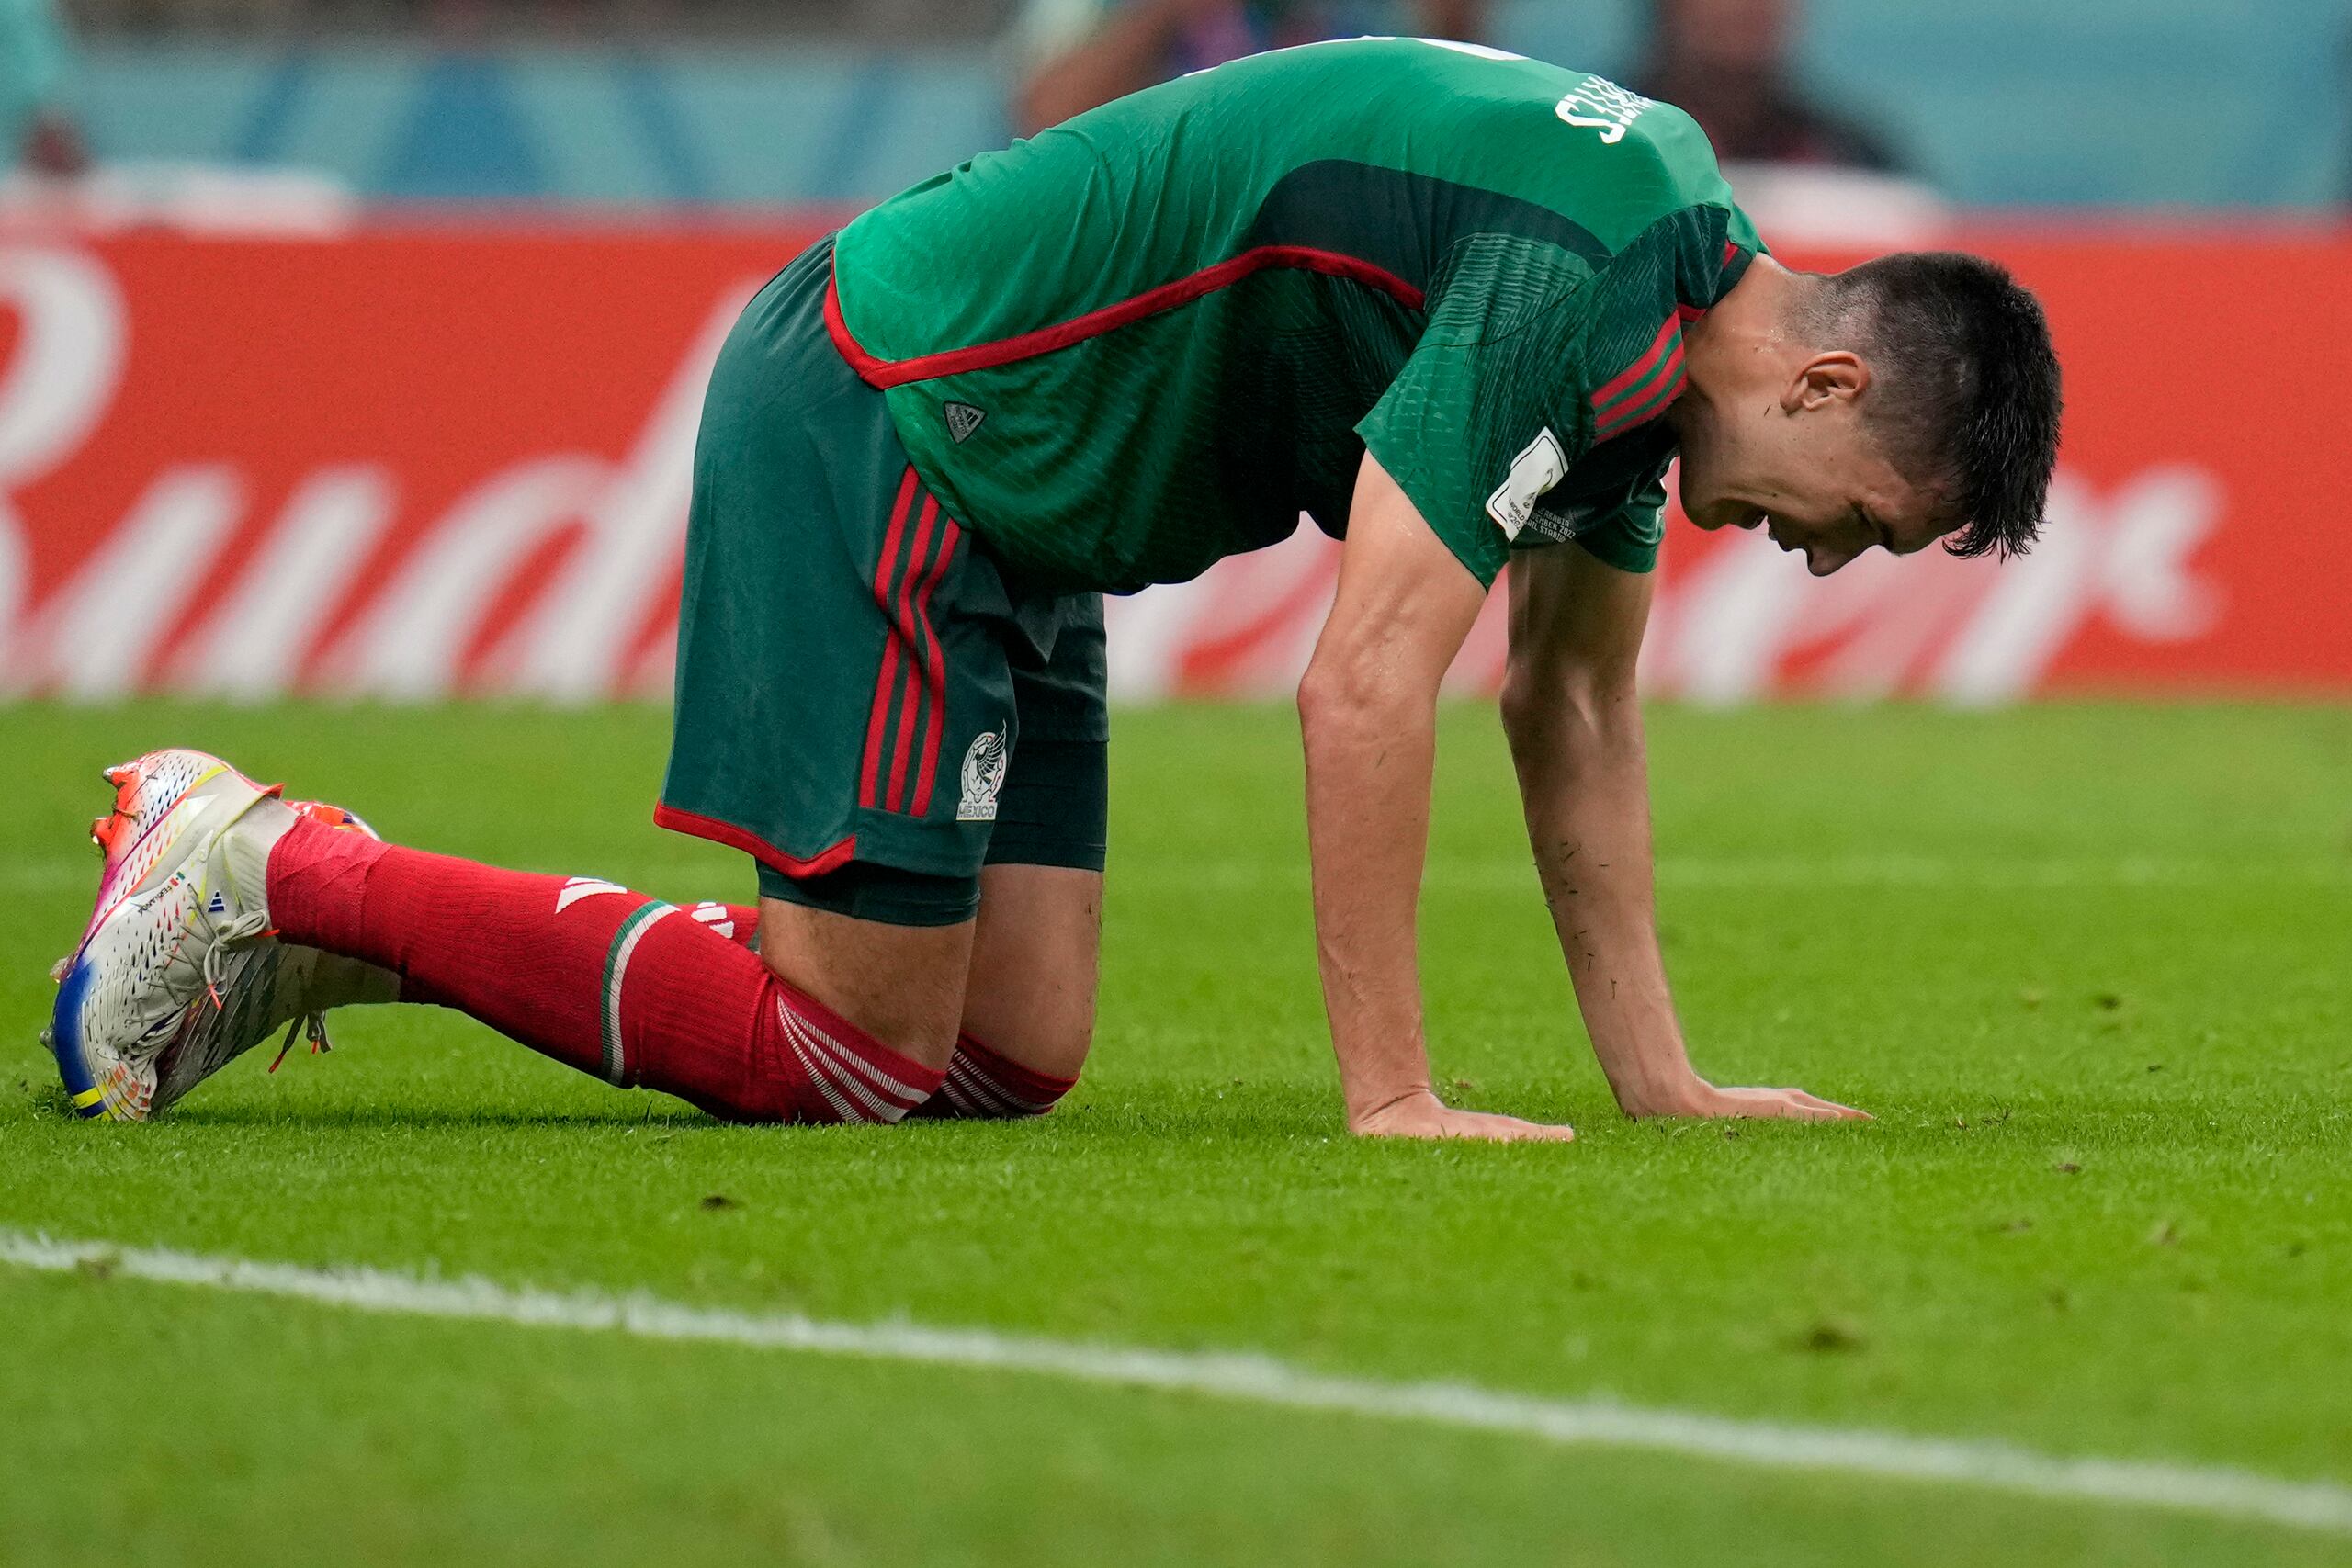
1324, 694
1346, 688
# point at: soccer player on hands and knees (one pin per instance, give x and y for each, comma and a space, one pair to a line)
1459, 307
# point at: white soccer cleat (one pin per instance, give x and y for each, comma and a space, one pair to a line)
265, 986
179, 899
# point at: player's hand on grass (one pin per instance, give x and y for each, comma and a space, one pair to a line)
1704, 1099
1422, 1115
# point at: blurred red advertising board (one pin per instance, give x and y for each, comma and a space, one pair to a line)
415, 461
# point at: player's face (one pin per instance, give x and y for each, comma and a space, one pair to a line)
1803, 468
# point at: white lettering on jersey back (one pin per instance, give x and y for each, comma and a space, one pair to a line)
1602, 105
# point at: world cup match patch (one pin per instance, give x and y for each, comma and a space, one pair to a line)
1541, 464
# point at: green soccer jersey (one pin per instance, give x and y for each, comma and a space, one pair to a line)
1151, 337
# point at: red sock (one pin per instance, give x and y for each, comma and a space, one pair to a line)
982, 1086
611, 982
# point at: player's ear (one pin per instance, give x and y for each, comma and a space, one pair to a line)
1826, 377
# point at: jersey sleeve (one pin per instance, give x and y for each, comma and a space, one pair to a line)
1532, 363
1475, 402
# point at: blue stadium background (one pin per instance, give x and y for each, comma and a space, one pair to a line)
2002, 102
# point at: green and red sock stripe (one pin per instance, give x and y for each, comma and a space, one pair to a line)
630, 931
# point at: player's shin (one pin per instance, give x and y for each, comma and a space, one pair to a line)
611, 982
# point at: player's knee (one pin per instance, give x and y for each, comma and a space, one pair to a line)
809, 1064
902, 985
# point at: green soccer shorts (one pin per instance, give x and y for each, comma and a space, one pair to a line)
865, 703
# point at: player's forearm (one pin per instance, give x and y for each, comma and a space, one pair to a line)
1370, 753
1585, 782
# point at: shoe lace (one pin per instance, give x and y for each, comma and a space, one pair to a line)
236, 931
230, 934
314, 1025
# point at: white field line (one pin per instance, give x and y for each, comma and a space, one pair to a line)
1795, 872
1253, 1380
80, 873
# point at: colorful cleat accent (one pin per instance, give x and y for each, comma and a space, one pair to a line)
64, 1040
156, 799
178, 972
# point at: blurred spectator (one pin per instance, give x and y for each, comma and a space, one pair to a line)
1726, 62
34, 62
1084, 52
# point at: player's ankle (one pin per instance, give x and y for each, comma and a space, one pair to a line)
248, 845
330, 980
310, 879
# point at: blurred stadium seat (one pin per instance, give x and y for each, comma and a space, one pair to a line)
1999, 102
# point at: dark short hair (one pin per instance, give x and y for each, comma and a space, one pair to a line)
1965, 394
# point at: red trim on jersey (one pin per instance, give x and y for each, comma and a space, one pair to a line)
934, 673
864, 363
1636, 386
885, 373
1645, 402
885, 682
910, 706
752, 844
1623, 419
1634, 375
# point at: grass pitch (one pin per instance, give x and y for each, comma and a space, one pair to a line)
2088, 964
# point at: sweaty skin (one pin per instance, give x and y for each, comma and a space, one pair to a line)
1771, 434
1368, 712
1575, 725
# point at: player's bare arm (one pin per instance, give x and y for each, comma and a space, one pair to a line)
1368, 710
1575, 724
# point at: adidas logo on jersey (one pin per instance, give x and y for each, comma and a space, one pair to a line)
962, 420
